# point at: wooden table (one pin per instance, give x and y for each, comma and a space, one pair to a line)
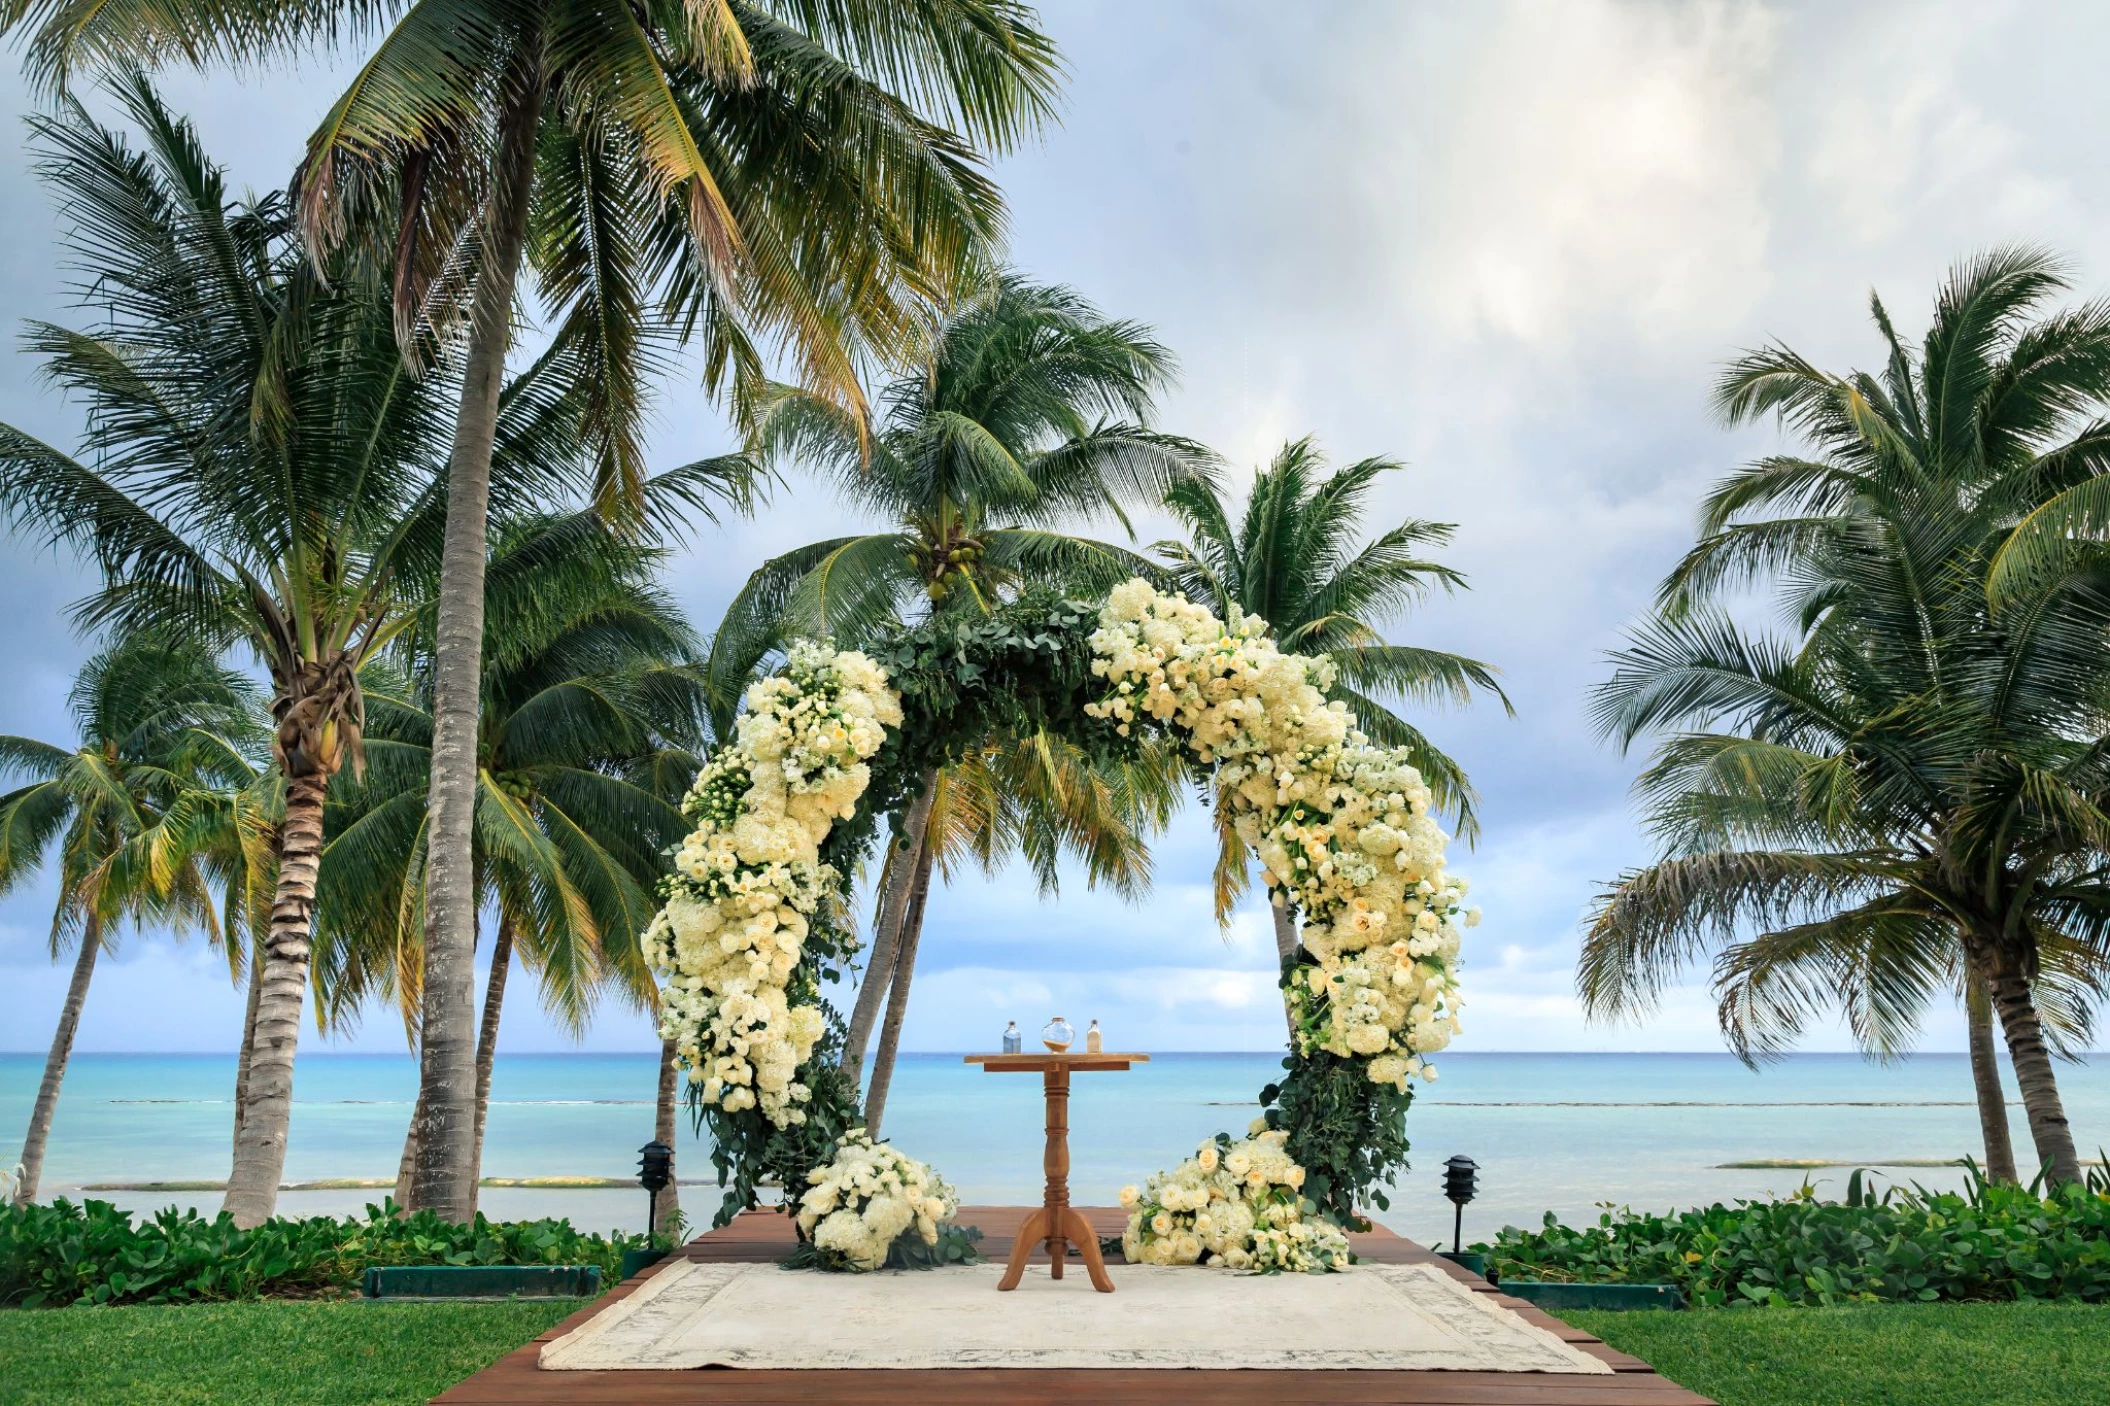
1056, 1224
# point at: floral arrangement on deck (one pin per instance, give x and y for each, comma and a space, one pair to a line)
873, 1206
748, 881
1233, 1205
1341, 826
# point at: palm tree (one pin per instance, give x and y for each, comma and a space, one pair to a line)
773, 175
260, 472
1910, 795
1292, 559
592, 728
1039, 799
161, 730
1024, 411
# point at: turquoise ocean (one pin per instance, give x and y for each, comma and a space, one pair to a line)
1559, 1132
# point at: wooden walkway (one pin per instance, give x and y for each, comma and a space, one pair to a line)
763, 1236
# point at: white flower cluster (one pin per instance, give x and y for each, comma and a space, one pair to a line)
870, 1196
1233, 1205
1341, 827
749, 878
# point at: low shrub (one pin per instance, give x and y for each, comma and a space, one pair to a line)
93, 1253
1991, 1241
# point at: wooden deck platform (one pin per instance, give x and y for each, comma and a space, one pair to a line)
763, 1236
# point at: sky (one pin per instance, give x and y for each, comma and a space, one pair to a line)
1509, 244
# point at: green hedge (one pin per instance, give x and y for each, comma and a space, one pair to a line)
1989, 1242
94, 1254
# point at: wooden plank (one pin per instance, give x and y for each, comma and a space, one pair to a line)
1050, 1059
761, 1236
517, 1379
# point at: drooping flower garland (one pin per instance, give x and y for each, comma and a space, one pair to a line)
873, 1204
1341, 826
748, 880
1233, 1205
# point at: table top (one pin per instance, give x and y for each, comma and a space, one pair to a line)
1032, 1061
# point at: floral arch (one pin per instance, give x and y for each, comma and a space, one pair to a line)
755, 916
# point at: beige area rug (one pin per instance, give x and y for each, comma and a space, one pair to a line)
1375, 1317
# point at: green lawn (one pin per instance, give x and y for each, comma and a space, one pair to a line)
352, 1352
1947, 1354
267, 1352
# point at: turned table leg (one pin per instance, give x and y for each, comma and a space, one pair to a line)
1057, 1165
1055, 1223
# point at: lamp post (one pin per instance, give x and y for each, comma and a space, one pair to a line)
655, 1168
1458, 1177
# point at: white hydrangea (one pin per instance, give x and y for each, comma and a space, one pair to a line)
1233, 1205
1341, 827
748, 879
870, 1196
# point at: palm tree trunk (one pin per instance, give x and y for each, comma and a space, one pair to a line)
267, 1097
664, 1131
897, 1005
1285, 947
241, 1064
487, 1041
445, 1174
406, 1197
886, 929
1285, 931
2048, 1128
1985, 1077
47, 1103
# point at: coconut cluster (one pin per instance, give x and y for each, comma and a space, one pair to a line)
749, 878
868, 1197
1341, 826
1232, 1205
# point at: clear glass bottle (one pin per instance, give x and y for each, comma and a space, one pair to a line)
1013, 1041
1058, 1035
1094, 1042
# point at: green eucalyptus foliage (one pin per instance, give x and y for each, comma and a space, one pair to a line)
750, 1152
1992, 1241
1348, 1134
93, 1253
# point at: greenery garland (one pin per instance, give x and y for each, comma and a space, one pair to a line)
1028, 666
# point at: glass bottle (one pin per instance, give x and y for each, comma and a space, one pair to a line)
1058, 1035
1094, 1042
1013, 1041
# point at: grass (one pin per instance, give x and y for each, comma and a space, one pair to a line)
1946, 1354
362, 1354
344, 1353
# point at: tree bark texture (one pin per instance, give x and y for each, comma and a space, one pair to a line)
1286, 939
2048, 1128
241, 1064
445, 1174
406, 1197
1985, 1078
47, 1104
886, 928
267, 1097
664, 1130
897, 1003
487, 1042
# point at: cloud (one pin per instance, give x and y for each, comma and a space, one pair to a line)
1508, 243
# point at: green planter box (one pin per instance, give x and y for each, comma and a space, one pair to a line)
1468, 1260
1555, 1297
638, 1261
483, 1281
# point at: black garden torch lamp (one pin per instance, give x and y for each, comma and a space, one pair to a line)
1458, 1188
655, 1169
